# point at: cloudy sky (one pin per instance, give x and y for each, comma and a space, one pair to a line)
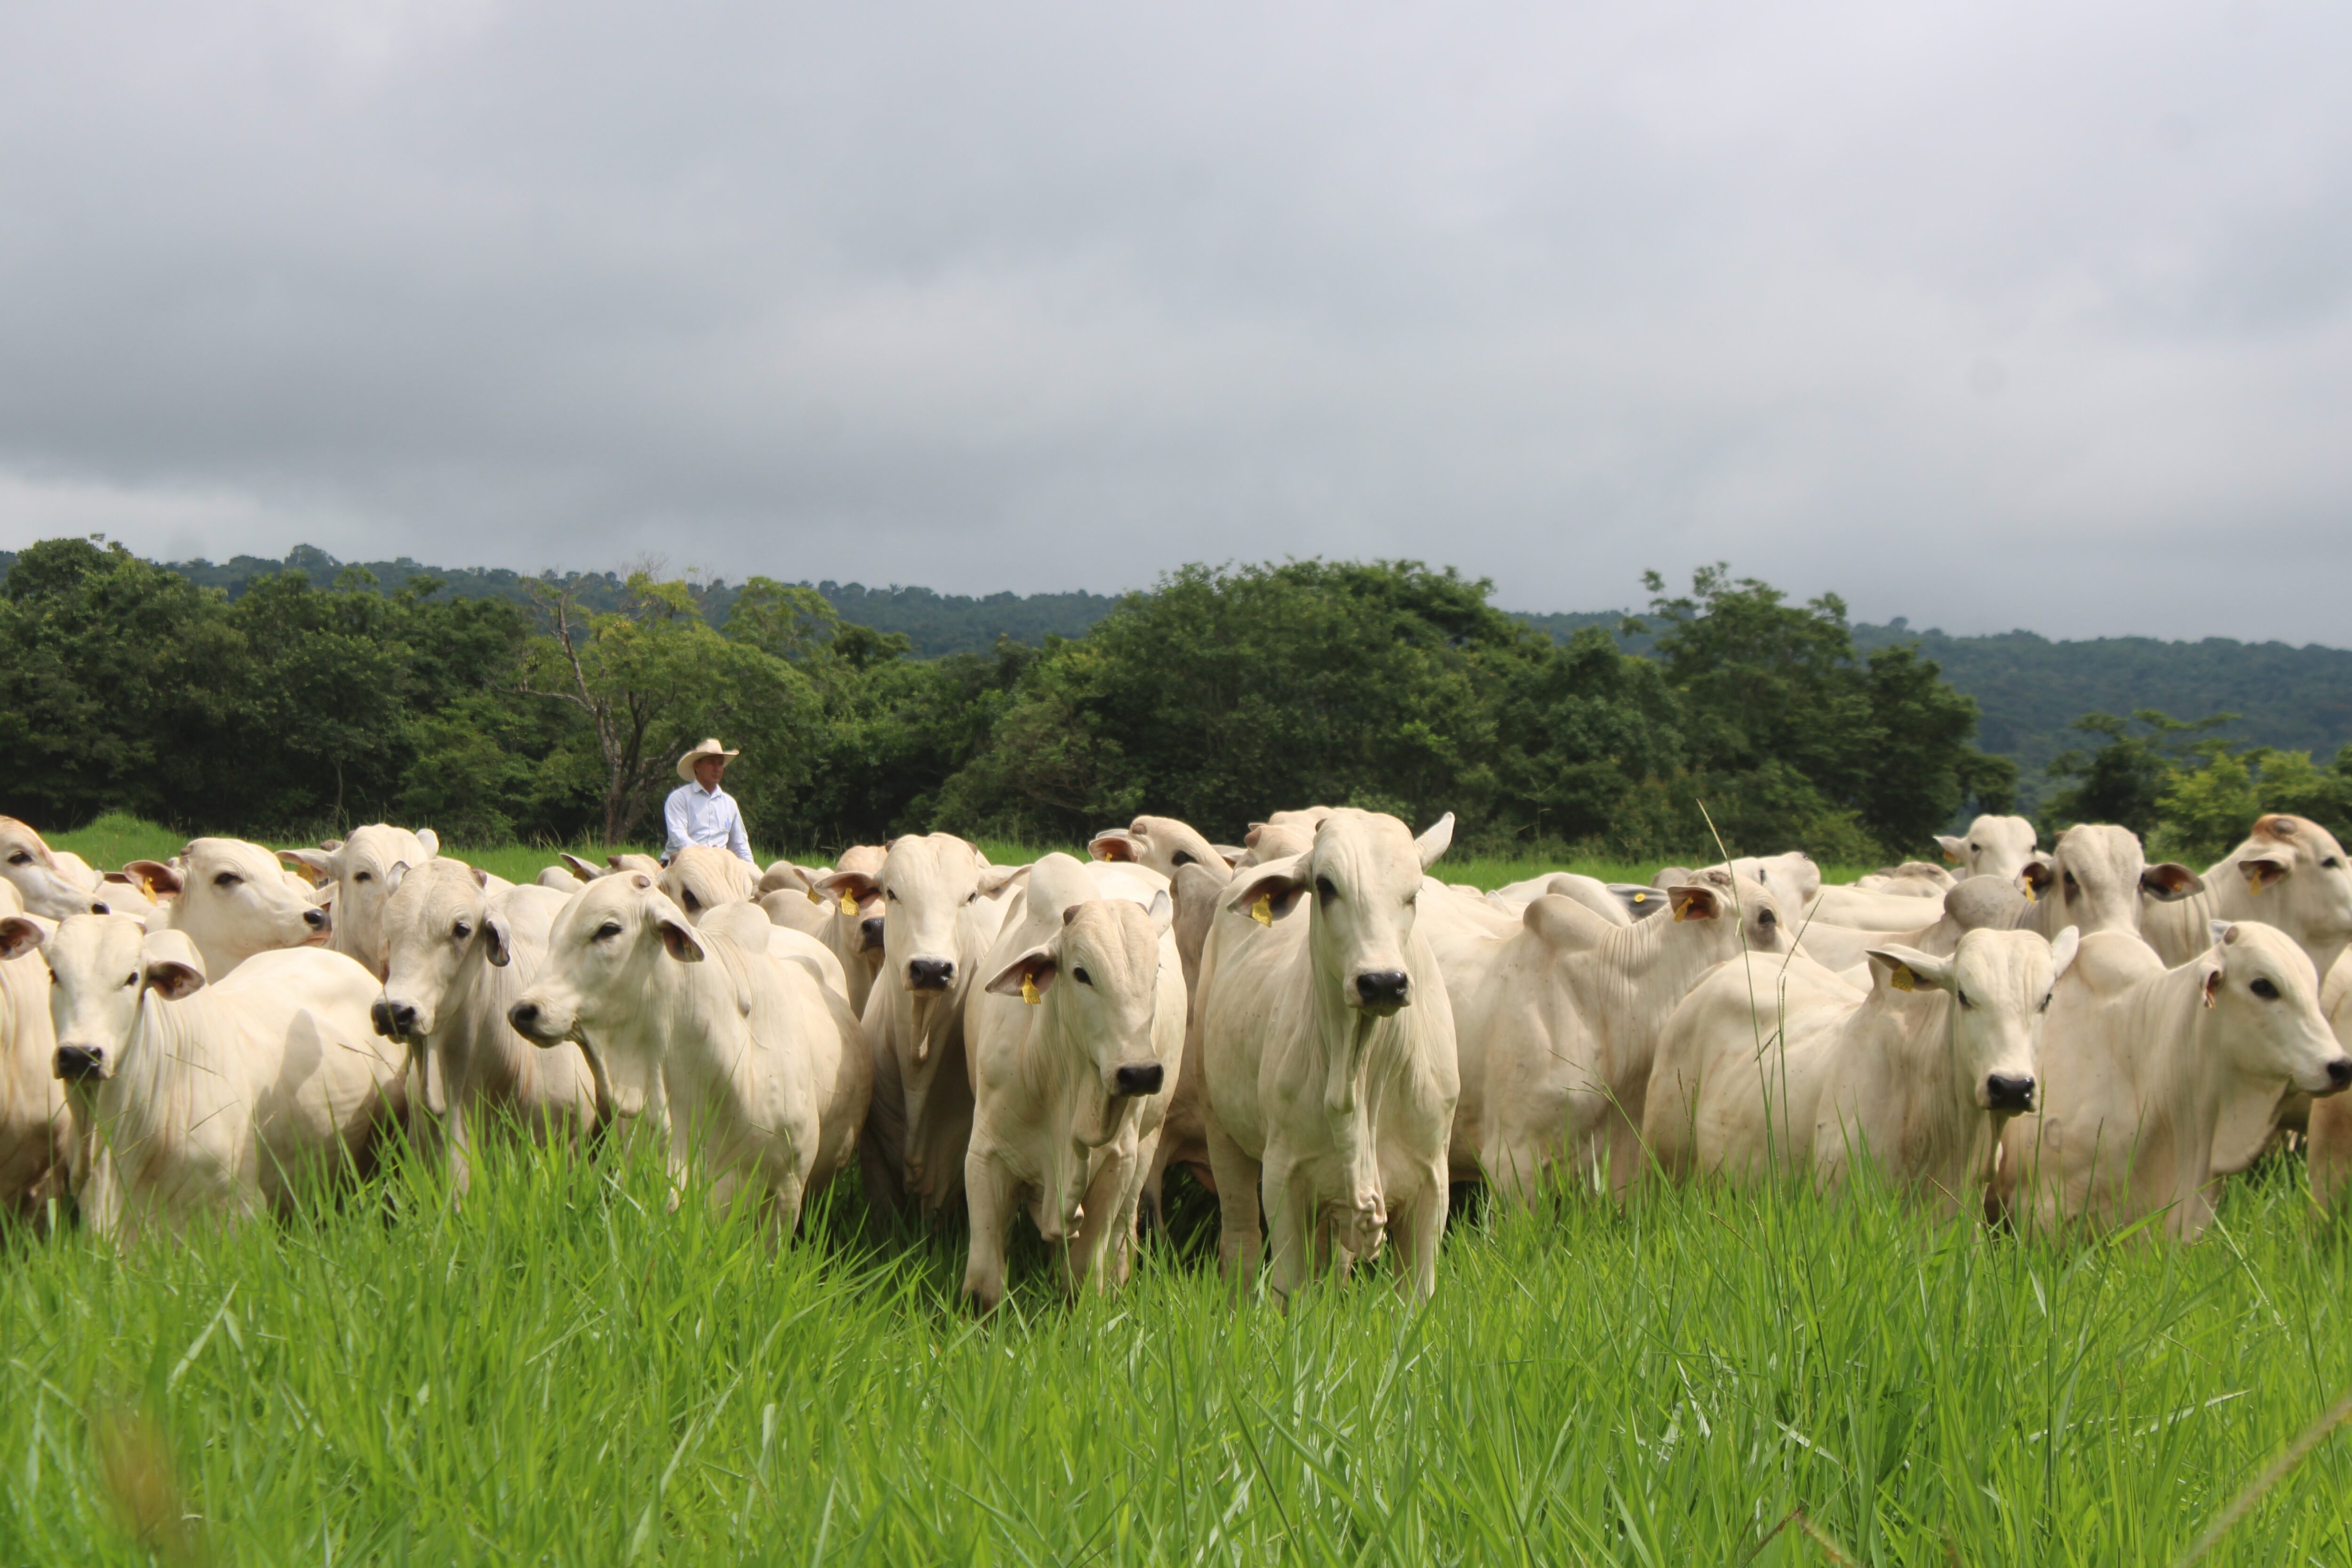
1991, 315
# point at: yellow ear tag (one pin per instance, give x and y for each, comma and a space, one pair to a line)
1903, 978
2253, 884
1029, 991
2028, 894
815, 897
1641, 898
848, 905
1262, 912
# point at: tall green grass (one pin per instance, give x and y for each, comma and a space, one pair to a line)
564, 1372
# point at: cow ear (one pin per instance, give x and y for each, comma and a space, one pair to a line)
1029, 976
679, 940
2223, 932
2037, 877
498, 942
2260, 870
1953, 848
394, 878
1907, 969
2168, 881
174, 979
314, 865
430, 839
995, 880
1561, 921
1640, 902
19, 936
481, 876
1694, 902
1434, 840
158, 879
856, 885
2062, 949
1162, 912
1115, 843
1267, 893
586, 870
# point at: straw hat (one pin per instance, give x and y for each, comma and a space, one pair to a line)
709, 748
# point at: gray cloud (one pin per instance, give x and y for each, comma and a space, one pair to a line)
1991, 316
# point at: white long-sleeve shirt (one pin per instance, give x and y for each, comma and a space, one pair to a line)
699, 816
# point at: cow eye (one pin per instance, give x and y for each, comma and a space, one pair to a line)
2265, 990
21, 857
973, 897
461, 930
362, 876
891, 894
130, 979
1181, 857
609, 930
1962, 998
1972, 849
226, 880
1325, 890
2045, 1005
1768, 919
1082, 977
2070, 881
2331, 863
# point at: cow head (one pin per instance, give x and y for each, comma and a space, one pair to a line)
930, 884
598, 981
434, 916
1163, 843
2000, 983
1992, 847
234, 903
2097, 873
2263, 996
101, 968
1362, 881
2291, 873
358, 869
45, 883
701, 877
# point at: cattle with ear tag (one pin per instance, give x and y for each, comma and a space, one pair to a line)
20, 935
1267, 893
1695, 901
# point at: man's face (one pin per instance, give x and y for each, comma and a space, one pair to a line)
708, 771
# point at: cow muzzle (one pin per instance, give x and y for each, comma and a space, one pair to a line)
395, 1020
930, 974
2004, 1092
79, 1064
870, 934
535, 1024
318, 922
1383, 993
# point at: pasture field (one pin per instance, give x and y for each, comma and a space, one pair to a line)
564, 1370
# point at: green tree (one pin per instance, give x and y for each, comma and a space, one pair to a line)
650, 678
2124, 780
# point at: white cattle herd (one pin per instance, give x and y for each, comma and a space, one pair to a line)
1324, 1034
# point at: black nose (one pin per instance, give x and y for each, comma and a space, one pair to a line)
1141, 1080
2005, 1093
930, 974
394, 1020
2339, 1071
75, 1063
315, 918
1382, 987
380, 1017
523, 1016
870, 934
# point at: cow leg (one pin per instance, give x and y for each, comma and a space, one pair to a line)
1109, 1202
459, 1133
1241, 1240
1290, 1204
2330, 1145
1416, 1234
989, 1197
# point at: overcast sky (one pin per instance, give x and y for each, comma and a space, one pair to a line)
1991, 315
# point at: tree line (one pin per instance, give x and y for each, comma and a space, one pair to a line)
1216, 696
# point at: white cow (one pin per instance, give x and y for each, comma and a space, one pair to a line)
1330, 1055
748, 1065
360, 868
939, 919
702, 877
1979, 904
459, 956
1163, 843
2289, 873
1790, 877
1619, 904
1559, 1020
1077, 1040
1804, 1073
1993, 847
33, 1126
50, 883
215, 1100
1913, 879
2097, 879
232, 900
842, 910
2157, 1082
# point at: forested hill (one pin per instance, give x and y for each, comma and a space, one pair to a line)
2030, 688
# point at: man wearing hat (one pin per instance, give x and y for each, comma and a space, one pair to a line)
698, 811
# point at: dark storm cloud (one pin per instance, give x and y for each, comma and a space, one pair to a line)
1991, 316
